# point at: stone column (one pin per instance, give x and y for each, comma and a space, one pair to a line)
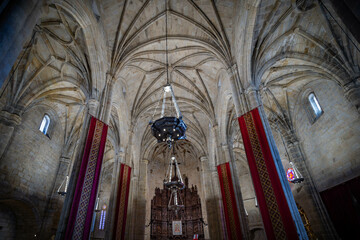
139, 219
17, 21
60, 234
217, 205
352, 92
132, 219
254, 100
239, 108
107, 98
237, 189
306, 192
54, 201
119, 158
206, 194
93, 107
8, 123
144, 188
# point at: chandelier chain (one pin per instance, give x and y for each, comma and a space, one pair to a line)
166, 42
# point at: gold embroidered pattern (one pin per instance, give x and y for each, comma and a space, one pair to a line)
229, 203
88, 182
124, 184
269, 194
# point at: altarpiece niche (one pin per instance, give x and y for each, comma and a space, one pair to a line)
162, 218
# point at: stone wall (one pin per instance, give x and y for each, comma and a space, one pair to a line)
7, 223
29, 165
329, 143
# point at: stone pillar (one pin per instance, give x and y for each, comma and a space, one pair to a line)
232, 71
144, 188
132, 219
17, 21
306, 192
55, 200
107, 98
119, 158
93, 107
221, 232
206, 194
352, 92
253, 98
237, 189
60, 234
8, 123
139, 219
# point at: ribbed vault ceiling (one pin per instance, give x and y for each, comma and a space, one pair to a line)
198, 51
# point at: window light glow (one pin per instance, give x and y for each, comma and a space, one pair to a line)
315, 105
102, 218
167, 88
44, 126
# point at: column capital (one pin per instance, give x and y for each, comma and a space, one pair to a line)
120, 154
145, 161
214, 173
352, 92
93, 105
204, 158
253, 96
65, 159
225, 147
10, 119
232, 69
134, 178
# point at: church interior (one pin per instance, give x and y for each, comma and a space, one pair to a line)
179, 119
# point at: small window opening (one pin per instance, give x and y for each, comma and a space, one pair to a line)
102, 217
44, 126
315, 106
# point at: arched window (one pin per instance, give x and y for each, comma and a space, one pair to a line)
44, 126
315, 106
102, 217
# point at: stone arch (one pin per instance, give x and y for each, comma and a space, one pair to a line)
23, 218
96, 47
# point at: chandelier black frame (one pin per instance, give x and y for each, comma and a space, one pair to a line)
168, 128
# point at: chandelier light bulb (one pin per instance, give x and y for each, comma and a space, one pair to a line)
167, 88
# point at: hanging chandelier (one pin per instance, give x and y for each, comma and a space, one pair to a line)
62, 190
293, 175
173, 181
168, 128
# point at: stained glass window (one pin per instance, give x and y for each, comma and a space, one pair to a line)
102, 217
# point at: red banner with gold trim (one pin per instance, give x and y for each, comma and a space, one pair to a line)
82, 208
229, 202
275, 212
122, 202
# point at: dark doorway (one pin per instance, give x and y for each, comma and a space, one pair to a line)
343, 205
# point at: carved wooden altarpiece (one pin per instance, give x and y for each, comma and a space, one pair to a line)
190, 215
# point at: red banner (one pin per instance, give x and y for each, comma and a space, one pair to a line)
122, 202
274, 208
229, 202
82, 208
